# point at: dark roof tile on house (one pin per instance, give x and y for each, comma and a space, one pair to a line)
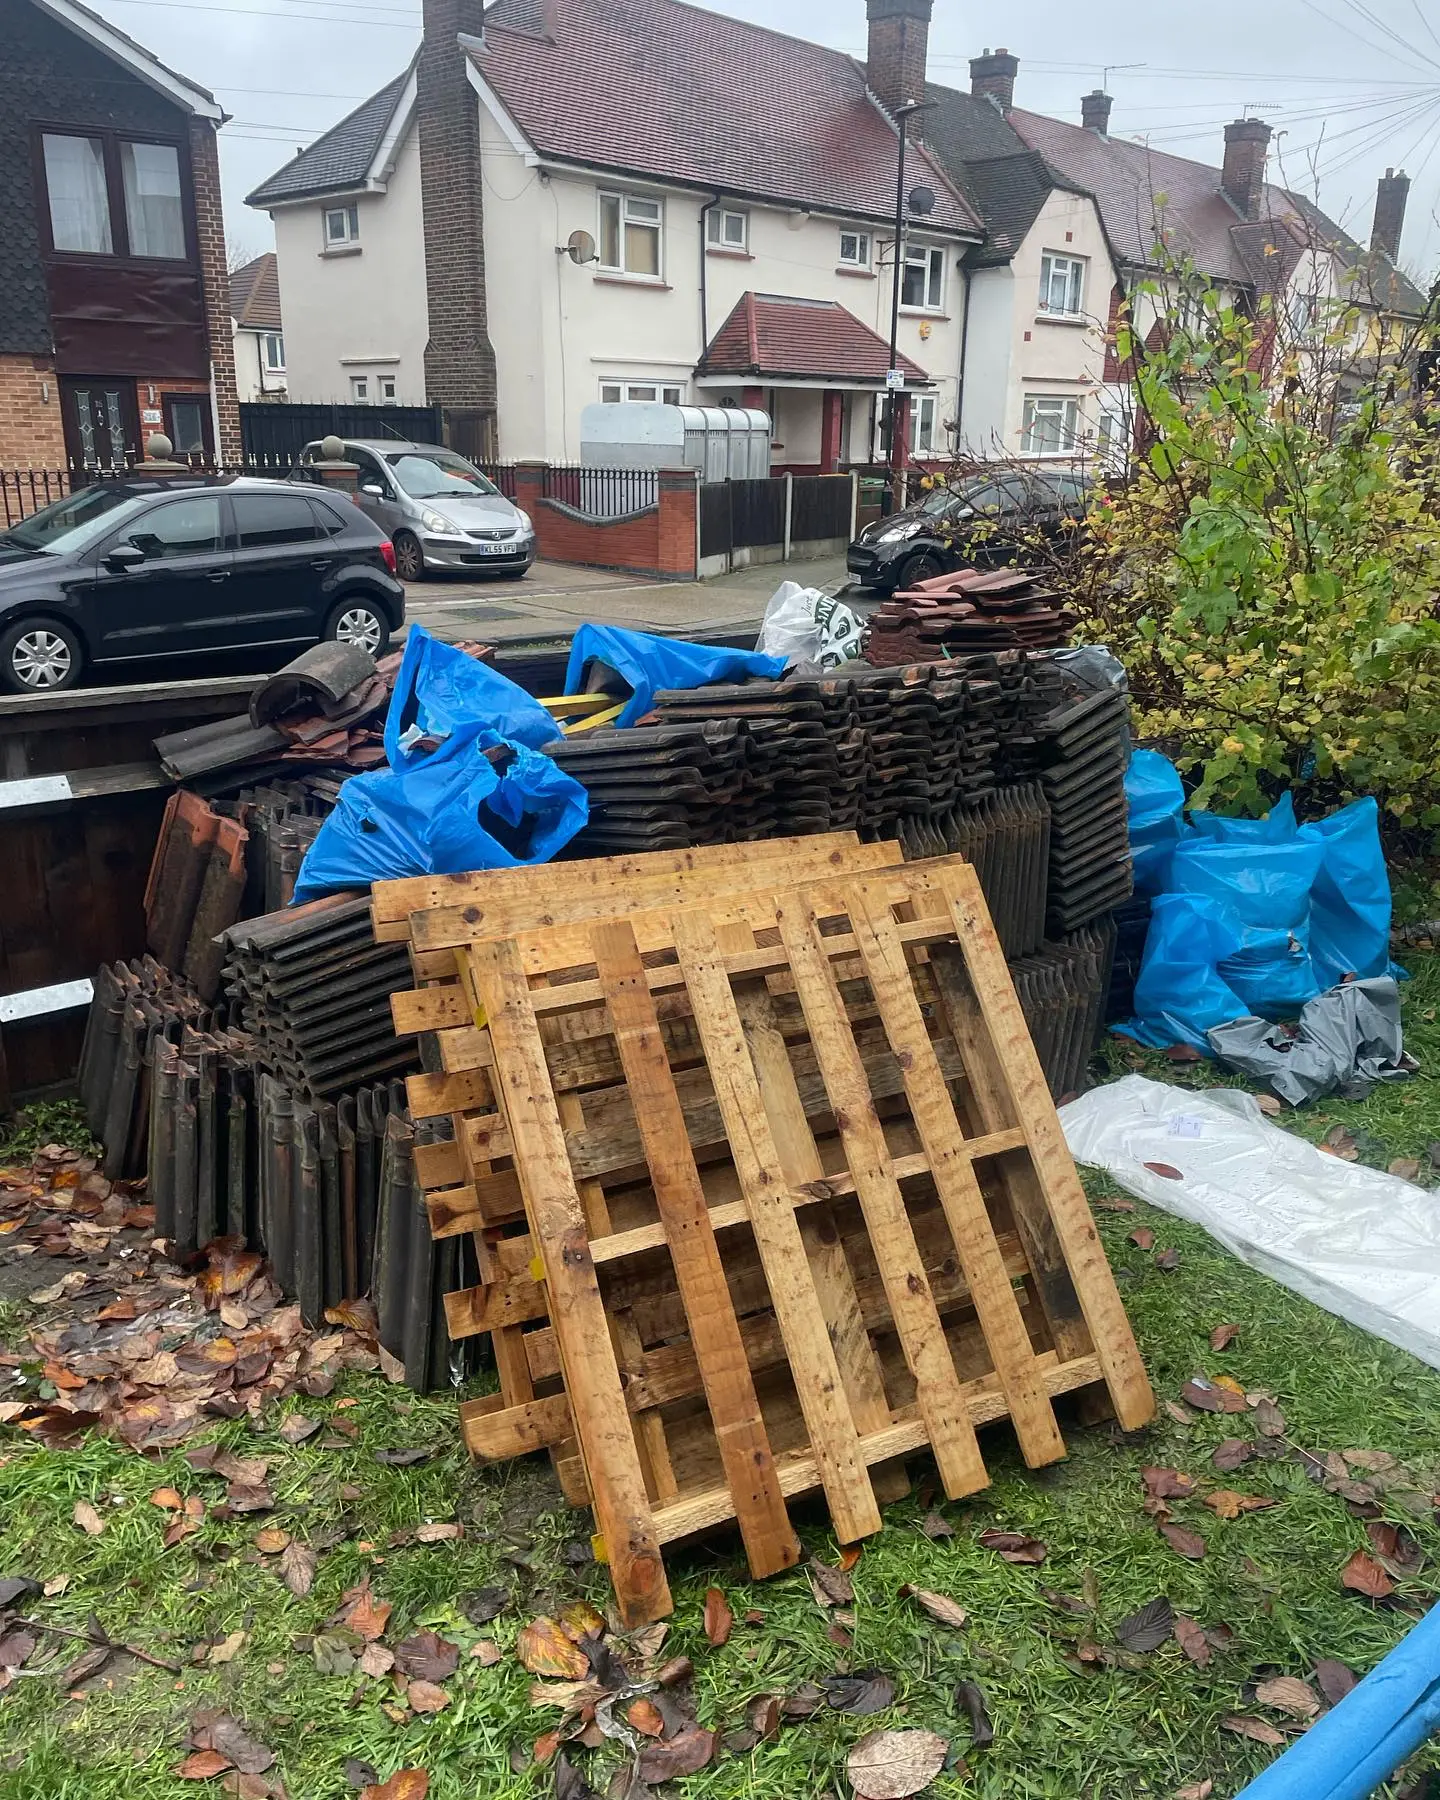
255, 294
779, 338
336, 162
1008, 192
662, 89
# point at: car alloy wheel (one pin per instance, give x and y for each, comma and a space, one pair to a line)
358, 625
41, 659
409, 557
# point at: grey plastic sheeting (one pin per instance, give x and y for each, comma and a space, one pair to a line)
1349, 1037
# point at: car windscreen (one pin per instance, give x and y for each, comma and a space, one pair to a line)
76, 521
938, 502
434, 474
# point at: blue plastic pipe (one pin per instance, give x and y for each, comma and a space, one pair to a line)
1347, 1754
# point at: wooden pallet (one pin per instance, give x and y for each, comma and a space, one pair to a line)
848, 1053
469, 1183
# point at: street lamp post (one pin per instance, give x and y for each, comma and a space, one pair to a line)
902, 117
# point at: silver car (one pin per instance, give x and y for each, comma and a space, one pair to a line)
439, 510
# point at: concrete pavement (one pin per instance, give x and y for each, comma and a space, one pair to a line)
555, 598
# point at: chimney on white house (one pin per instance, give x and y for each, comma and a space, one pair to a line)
992, 77
1095, 111
895, 55
1243, 174
1391, 193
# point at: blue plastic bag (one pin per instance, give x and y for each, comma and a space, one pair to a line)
1155, 798
650, 664
1285, 910
449, 813
441, 692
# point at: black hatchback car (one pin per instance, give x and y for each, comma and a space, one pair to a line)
188, 566
981, 519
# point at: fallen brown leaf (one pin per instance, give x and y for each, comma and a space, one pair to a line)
426, 1697
1167, 1484
1334, 1679
936, 1526
211, 1729
893, 1765
1183, 1541
1364, 1575
271, 1540
1212, 1397
404, 1784
1287, 1694
1192, 1640
719, 1623
167, 1499
427, 1657
297, 1568
544, 1649
1223, 1336
1167, 1261
438, 1533
376, 1660
831, 1587
1014, 1546
366, 1616
1258, 1729
685, 1753
939, 1606
1143, 1238
1168, 1170
228, 1650
86, 1517
851, 1555
295, 1428
202, 1765
580, 1621
645, 1717
1148, 1628
1230, 1453
1272, 1109
1225, 1503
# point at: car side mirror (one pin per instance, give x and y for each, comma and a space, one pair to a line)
123, 558
373, 489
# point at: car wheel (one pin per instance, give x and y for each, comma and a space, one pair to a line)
924, 567
39, 656
409, 557
358, 622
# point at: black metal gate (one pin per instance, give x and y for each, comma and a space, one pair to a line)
273, 433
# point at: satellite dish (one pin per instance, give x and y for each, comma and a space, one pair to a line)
580, 247
922, 200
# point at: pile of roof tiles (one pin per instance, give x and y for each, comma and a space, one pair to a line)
965, 611
1063, 988
1084, 747
312, 988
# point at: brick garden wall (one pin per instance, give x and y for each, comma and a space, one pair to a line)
657, 542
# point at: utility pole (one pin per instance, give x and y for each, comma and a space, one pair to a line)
902, 116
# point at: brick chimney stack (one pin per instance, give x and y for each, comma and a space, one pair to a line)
1391, 193
459, 358
895, 56
1243, 174
993, 77
1095, 111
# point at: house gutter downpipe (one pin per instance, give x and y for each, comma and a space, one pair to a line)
902, 119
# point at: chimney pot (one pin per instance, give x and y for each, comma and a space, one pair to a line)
1095, 111
1243, 175
896, 52
1391, 193
992, 77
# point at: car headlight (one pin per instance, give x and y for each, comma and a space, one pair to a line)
526, 523
896, 533
432, 521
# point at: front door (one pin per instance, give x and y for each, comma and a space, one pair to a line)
179, 598
102, 424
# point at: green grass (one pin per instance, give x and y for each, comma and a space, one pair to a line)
1063, 1730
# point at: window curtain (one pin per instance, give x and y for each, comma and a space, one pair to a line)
79, 203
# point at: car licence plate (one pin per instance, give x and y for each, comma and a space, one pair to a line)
495, 549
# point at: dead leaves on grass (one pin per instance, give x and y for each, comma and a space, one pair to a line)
893, 1765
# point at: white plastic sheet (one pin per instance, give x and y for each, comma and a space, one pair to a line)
803, 622
1358, 1242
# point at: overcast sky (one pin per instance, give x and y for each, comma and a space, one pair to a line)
1351, 86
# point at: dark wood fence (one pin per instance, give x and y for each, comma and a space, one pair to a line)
752, 515
273, 433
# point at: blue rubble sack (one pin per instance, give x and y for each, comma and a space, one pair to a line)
650, 664
1257, 917
1155, 800
461, 792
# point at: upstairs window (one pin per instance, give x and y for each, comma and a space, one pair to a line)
342, 225
79, 197
854, 249
924, 282
1062, 285
727, 230
630, 235
154, 210
272, 347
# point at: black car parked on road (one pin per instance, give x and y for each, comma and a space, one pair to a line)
981, 519
126, 571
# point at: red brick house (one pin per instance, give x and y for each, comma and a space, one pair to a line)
114, 302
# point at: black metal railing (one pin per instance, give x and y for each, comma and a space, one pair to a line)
502, 474
601, 493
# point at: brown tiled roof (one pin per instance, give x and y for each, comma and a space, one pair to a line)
662, 89
776, 337
255, 294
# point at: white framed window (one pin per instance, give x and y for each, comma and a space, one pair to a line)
272, 350
359, 389
725, 230
923, 288
630, 229
854, 249
342, 225
927, 425
1305, 312
1050, 424
639, 392
387, 388
1062, 285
